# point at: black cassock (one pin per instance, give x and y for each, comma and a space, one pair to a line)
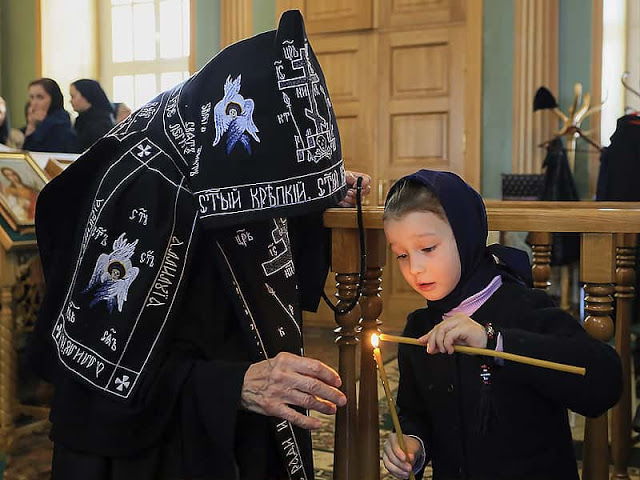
189, 424
173, 257
529, 437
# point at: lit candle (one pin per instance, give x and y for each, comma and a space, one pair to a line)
387, 393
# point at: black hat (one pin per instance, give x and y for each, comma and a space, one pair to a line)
254, 128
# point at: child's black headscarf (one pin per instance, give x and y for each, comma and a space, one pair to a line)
468, 219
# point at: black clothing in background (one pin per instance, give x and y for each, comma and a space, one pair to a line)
620, 163
440, 405
91, 125
5, 127
54, 134
560, 186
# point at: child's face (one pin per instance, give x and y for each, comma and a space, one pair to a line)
427, 253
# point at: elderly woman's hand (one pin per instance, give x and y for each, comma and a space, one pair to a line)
352, 178
271, 386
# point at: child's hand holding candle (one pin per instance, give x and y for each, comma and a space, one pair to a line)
395, 459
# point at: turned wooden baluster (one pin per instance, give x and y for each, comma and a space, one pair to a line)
597, 261
345, 258
7, 373
625, 293
371, 307
541, 269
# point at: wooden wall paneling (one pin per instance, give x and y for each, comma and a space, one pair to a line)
348, 63
472, 140
535, 65
284, 5
236, 21
331, 15
596, 87
403, 13
416, 75
421, 121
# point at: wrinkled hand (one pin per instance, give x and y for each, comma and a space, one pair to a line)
458, 329
352, 178
271, 386
395, 459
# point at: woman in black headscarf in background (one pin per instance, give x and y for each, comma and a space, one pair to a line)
49, 125
95, 111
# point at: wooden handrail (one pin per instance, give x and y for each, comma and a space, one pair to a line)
592, 217
606, 264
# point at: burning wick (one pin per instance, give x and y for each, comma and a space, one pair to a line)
375, 341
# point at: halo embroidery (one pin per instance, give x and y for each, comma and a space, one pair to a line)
113, 274
234, 115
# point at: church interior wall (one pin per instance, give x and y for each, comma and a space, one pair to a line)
19, 64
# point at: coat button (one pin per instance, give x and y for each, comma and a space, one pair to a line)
450, 388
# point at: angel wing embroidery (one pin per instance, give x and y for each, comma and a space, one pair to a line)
234, 114
113, 274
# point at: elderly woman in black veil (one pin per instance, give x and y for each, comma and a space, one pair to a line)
95, 111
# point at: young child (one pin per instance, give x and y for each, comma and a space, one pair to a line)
471, 416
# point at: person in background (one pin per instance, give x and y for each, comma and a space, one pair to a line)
11, 137
95, 111
49, 128
121, 110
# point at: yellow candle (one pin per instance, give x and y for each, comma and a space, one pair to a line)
387, 392
492, 353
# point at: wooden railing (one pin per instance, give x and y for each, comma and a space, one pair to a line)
608, 239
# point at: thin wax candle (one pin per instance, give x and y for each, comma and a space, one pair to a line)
387, 392
493, 353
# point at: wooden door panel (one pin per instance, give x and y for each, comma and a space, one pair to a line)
421, 123
418, 84
329, 16
348, 62
418, 139
419, 70
404, 13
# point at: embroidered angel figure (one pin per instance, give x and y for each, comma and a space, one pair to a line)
113, 275
234, 115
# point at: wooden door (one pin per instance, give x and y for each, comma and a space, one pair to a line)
405, 80
324, 16
421, 118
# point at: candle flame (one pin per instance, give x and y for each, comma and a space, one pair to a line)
375, 340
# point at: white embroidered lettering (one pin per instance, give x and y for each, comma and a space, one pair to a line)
168, 270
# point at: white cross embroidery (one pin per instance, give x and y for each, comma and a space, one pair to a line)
144, 150
122, 383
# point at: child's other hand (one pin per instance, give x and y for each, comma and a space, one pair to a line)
458, 329
395, 459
